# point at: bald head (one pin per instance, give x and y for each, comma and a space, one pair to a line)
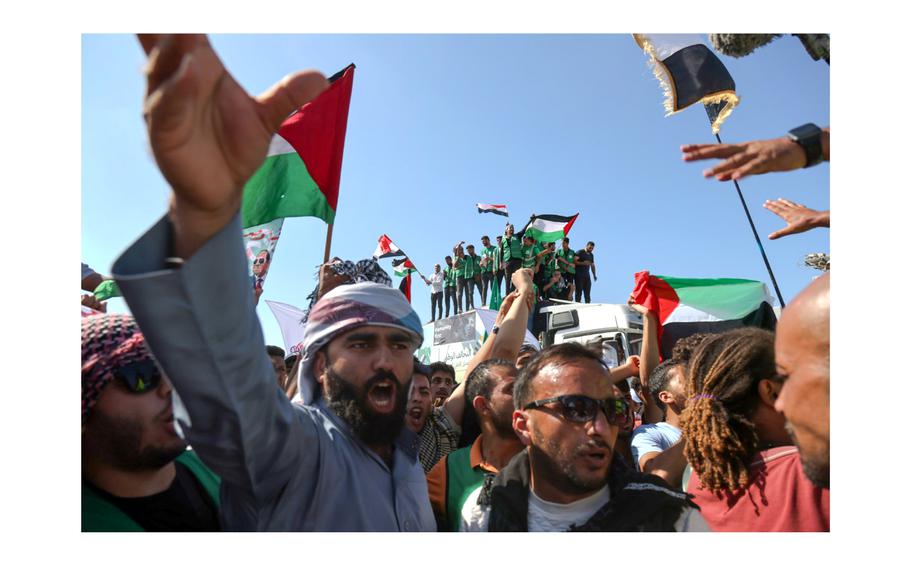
802, 355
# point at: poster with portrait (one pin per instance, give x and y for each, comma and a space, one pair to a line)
259, 242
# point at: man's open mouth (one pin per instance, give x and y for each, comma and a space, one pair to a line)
381, 395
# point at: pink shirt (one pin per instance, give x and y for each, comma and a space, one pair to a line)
779, 498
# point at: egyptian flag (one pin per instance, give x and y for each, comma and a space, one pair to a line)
403, 267
495, 209
702, 305
386, 248
549, 228
302, 170
689, 73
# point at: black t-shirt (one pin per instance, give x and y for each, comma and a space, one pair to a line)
586, 256
185, 506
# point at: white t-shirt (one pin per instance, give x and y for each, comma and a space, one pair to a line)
436, 282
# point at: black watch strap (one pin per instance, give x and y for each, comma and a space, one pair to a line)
809, 137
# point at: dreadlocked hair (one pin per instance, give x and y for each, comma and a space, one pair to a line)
722, 394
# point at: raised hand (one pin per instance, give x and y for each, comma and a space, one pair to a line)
799, 218
207, 134
748, 158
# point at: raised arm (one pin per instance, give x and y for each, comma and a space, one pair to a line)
650, 358
186, 280
515, 322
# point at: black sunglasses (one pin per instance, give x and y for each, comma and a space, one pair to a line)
139, 377
580, 408
260, 260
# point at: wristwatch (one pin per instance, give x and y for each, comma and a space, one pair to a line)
494, 330
809, 137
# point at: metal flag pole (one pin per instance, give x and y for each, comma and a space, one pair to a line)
764, 256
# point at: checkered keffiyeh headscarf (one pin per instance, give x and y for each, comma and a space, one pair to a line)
108, 342
347, 307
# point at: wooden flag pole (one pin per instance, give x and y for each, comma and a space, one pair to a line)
328, 243
780, 297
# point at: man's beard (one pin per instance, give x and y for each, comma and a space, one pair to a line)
818, 471
118, 443
503, 425
565, 476
350, 404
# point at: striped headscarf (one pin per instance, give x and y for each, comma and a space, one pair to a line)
345, 308
109, 341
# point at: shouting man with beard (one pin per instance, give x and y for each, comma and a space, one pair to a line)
568, 416
137, 474
339, 461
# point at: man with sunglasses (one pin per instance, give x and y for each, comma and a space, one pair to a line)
568, 415
341, 460
137, 474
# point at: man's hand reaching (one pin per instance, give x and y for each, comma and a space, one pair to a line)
799, 218
748, 158
207, 134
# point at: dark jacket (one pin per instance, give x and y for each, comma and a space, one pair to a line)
638, 502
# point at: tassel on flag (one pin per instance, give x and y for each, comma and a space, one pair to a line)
386, 248
690, 72
495, 209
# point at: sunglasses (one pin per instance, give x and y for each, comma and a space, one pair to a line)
258, 261
582, 409
139, 377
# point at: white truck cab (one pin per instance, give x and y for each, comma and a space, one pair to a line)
615, 327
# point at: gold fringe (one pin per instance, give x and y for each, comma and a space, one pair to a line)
670, 102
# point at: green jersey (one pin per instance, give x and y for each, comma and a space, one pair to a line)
449, 277
471, 266
548, 264
568, 256
511, 248
528, 254
489, 253
459, 266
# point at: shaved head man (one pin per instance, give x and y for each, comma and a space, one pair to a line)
802, 353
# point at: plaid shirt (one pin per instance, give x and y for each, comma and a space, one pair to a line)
438, 437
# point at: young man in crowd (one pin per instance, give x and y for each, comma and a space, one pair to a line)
471, 276
437, 427
568, 417
487, 272
456, 476
584, 269
565, 262
442, 381
283, 466
460, 263
137, 474
450, 287
511, 255
499, 272
276, 354
435, 282
667, 386
802, 354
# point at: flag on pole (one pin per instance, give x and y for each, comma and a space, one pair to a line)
302, 170
386, 248
702, 305
690, 72
405, 286
549, 228
495, 209
403, 267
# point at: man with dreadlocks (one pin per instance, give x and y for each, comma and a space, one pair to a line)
568, 414
746, 471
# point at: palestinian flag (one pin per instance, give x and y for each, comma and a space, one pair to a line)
405, 286
403, 267
495, 209
302, 170
386, 248
702, 305
549, 228
689, 73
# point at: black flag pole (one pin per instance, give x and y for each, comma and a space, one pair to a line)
764, 256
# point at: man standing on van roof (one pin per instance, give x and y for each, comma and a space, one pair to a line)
341, 461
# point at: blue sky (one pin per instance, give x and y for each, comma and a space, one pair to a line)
543, 123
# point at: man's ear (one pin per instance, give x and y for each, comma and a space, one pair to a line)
480, 405
768, 391
521, 426
666, 397
319, 366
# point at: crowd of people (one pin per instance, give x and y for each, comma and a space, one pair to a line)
355, 434
561, 274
